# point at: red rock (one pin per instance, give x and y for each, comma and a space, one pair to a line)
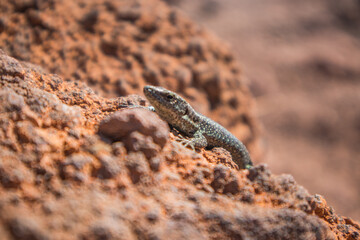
119, 125
103, 171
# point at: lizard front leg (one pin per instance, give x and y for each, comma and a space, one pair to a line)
198, 140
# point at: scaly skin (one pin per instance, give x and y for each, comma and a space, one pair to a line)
202, 131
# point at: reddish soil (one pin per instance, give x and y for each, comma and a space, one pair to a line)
302, 61
76, 163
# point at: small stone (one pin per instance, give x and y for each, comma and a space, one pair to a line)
109, 46
10, 66
23, 228
11, 101
89, 20
48, 208
155, 164
109, 167
118, 149
107, 229
78, 160
258, 172
219, 181
13, 174
152, 217
232, 187
128, 14
138, 142
137, 166
122, 123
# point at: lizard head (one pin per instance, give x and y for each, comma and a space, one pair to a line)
166, 102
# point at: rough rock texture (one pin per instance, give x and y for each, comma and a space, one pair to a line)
302, 59
59, 179
64, 175
117, 47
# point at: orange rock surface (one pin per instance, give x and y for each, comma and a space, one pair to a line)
64, 174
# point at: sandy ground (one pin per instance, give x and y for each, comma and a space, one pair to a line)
302, 61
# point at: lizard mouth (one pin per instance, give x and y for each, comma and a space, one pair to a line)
147, 88
149, 91
153, 95
154, 92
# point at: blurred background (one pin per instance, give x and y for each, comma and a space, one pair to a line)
301, 59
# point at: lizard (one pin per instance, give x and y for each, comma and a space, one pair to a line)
201, 130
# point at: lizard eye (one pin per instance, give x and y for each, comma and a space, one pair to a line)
170, 97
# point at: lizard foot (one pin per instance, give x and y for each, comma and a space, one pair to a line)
186, 142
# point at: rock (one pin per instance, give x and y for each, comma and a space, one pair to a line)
128, 14
26, 229
137, 142
120, 124
78, 160
296, 225
10, 101
10, 66
137, 166
219, 181
90, 19
232, 186
107, 229
85, 165
109, 167
13, 173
